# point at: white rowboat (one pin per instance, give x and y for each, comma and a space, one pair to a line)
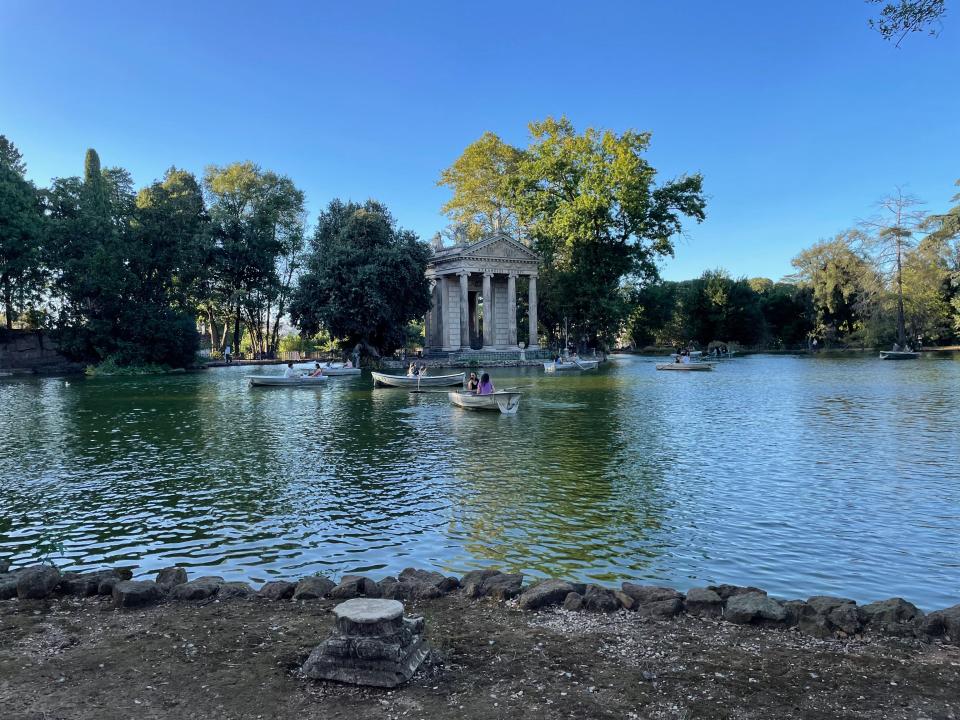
505, 401
281, 381
579, 365
898, 355
688, 367
415, 381
340, 371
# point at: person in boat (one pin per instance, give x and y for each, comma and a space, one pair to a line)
473, 383
678, 358
412, 370
422, 370
290, 372
348, 364
486, 385
686, 357
896, 347
317, 370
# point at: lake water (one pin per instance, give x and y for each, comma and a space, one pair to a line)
800, 475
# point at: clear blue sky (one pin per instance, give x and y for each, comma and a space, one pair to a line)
796, 113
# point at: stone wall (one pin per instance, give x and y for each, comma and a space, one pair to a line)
33, 352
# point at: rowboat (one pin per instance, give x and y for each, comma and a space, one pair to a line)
578, 365
340, 371
281, 381
506, 402
417, 381
898, 355
686, 367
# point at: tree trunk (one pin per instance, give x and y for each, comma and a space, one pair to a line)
236, 331
8, 302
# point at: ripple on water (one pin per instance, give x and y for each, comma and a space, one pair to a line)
801, 475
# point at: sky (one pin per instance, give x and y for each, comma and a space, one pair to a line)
797, 114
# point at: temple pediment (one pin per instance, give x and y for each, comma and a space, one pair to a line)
499, 247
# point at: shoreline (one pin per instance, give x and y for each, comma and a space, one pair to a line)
206, 649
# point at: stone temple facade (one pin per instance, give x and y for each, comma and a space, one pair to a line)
474, 290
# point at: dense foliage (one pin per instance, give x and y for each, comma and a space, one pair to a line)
590, 205
364, 278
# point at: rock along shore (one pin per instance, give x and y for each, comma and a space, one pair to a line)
550, 648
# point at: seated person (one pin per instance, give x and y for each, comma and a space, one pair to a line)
290, 372
317, 371
412, 370
473, 383
486, 385
422, 370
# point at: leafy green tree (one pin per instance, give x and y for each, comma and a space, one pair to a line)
257, 226
788, 313
597, 217
482, 180
927, 290
22, 272
842, 281
364, 278
654, 306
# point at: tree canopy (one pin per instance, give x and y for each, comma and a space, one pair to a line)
364, 278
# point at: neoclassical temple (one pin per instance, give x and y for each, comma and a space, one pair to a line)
474, 289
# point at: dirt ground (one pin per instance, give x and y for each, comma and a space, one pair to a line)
75, 659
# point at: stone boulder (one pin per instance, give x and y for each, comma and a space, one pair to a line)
824, 616
170, 577
88, 583
943, 623
277, 590
492, 583
728, 591
313, 588
894, 616
37, 582
545, 593
795, 610
443, 583
573, 602
8, 585
4, 567
136, 593
704, 602
653, 601
232, 590
355, 586
754, 609
600, 599
199, 589
109, 578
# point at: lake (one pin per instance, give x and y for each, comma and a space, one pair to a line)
801, 475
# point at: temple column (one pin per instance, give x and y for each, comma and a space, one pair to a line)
512, 309
464, 311
532, 302
444, 323
487, 311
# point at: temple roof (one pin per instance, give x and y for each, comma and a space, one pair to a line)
498, 249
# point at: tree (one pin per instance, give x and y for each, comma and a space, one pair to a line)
21, 270
597, 217
482, 183
364, 278
257, 226
927, 289
888, 237
897, 20
842, 283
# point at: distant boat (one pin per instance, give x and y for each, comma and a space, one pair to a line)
505, 401
417, 381
686, 367
571, 365
898, 355
282, 381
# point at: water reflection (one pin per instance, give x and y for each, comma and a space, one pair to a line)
803, 475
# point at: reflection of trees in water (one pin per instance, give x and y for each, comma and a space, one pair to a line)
563, 492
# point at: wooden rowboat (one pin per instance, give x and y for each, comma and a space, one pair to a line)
898, 355
686, 367
415, 382
578, 365
340, 371
281, 381
506, 402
